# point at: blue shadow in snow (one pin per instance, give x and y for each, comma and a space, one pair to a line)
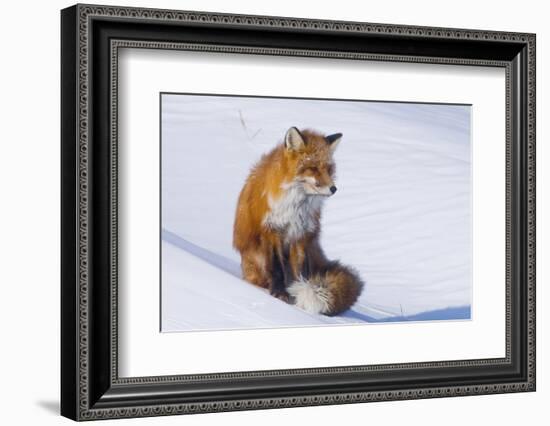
455, 313
225, 264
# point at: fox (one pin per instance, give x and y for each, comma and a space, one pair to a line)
278, 224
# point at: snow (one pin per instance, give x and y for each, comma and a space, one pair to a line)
401, 216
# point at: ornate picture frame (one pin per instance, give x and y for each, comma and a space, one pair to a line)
91, 37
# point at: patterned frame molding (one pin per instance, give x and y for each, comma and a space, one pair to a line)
84, 400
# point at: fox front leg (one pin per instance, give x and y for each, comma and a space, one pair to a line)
281, 273
298, 263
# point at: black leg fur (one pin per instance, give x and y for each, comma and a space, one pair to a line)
281, 274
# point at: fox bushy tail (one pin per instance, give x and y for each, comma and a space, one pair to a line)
329, 291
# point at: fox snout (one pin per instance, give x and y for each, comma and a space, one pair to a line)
312, 186
327, 190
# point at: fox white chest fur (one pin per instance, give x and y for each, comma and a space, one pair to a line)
294, 213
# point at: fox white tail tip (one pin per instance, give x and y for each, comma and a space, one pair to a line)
312, 298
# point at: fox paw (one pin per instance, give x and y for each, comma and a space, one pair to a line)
281, 295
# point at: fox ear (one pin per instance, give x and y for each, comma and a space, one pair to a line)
334, 140
294, 140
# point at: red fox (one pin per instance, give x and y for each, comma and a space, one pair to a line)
277, 226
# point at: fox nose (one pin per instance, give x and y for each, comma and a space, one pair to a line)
333, 189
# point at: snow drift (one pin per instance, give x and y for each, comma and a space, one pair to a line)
401, 217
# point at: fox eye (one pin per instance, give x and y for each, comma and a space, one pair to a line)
330, 169
311, 169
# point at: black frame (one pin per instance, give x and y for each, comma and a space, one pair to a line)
91, 37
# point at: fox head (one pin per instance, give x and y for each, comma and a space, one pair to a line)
308, 156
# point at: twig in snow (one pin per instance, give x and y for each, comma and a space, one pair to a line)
242, 121
256, 134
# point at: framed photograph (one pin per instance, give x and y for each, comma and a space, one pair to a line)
263, 212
